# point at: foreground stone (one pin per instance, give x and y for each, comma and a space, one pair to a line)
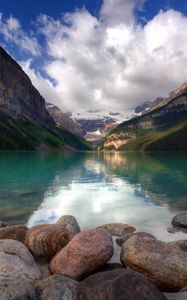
46, 240
125, 237
71, 224
120, 284
112, 285
180, 219
117, 229
17, 290
16, 232
56, 287
16, 262
163, 264
84, 254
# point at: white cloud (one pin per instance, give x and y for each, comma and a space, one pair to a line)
115, 12
12, 32
110, 62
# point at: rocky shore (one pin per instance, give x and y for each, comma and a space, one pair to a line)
61, 262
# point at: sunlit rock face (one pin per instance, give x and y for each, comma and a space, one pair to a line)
157, 129
17, 94
64, 120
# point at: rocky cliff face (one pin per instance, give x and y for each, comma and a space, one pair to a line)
25, 123
147, 106
162, 127
172, 97
64, 120
17, 94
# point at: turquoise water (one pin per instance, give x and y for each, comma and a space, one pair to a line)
143, 190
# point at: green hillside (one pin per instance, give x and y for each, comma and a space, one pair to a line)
161, 130
24, 134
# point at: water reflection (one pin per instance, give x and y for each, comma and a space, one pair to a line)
144, 190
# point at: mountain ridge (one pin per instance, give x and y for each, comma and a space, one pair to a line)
25, 123
163, 128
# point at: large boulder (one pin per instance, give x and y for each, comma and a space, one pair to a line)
56, 287
71, 224
16, 262
165, 265
119, 284
180, 219
125, 237
84, 254
16, 290
117, 229
46, 240
16, 232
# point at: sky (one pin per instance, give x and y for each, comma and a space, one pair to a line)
98, 54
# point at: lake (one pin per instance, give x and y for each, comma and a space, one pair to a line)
143, 190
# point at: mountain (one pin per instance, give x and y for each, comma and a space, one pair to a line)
92, 125
146, 106
162, 128
98, 123
25, 123
65, 120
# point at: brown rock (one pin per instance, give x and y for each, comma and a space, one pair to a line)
125, 237
84, 254
16, 262
117, 229
165, 265
71, 224
180, 219
46, 240
16, 232
182, 244
118, 284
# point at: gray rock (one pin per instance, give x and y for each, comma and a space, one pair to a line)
171, 230
56, 287
71, 224
176, 296
125, 237
16, 262
180, 219
16, 232
3, 224
16, 290
118, 284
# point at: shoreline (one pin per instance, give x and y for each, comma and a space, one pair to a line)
44, 255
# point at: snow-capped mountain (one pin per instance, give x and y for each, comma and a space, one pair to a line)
93, 125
